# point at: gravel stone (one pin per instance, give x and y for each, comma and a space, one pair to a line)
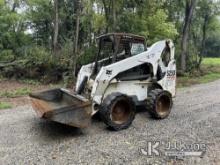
195, 118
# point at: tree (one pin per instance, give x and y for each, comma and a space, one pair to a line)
189, 9
111, 9
13, 40
75, 55
56, 27
207, 10
212, 43
28, 26
40, 15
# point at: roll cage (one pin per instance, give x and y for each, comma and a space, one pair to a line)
114, 47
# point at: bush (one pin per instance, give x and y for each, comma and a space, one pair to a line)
42, 64
6, 55
88, 55
37, 63
38, 56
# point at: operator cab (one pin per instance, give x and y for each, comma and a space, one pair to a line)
114, 47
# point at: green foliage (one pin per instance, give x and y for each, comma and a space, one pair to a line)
16, 93
37, 63
211, 61
40, 12
37, 55
191, 80
159, 28
209, 77
27, 32
153, 25
88, 55
30, 82
6, 55
4, 105
12, 31
66, 54
213, 38
42, 64
210, 72
99, 22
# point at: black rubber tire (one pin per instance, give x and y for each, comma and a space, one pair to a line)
107, 107
82, 85
152, 102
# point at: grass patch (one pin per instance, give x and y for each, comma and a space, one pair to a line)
30, 82
192, 80
209, 77
210, 72
16, 93
4, 105
1, 78
211, 61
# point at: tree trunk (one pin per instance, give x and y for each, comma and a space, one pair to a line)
204, 29
107, 13
113, 16
76, 37
190, 6
110, 15
56, 27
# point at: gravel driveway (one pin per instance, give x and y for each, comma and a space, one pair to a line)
194, 121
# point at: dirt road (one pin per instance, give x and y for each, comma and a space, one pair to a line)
194, 123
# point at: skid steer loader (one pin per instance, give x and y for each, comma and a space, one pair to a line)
125, 74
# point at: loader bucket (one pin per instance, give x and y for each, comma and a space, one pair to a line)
61, 106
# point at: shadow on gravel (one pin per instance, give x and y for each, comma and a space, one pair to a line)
49, 130
55, 131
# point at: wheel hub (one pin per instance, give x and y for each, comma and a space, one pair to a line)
163, 105
121, 112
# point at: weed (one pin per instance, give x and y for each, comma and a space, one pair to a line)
15, 93
4, 105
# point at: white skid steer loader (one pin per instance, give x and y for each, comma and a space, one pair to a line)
125, 74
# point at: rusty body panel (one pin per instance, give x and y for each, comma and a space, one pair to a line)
61, 106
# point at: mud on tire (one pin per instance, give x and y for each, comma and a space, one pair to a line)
159, 103
117, 111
